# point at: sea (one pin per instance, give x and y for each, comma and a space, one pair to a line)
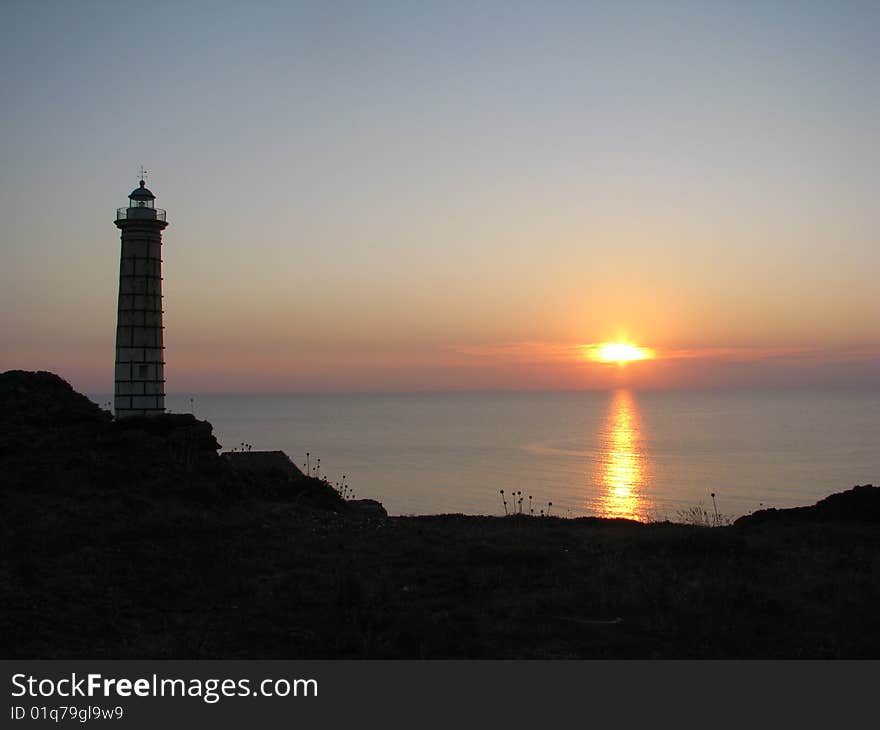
646, 455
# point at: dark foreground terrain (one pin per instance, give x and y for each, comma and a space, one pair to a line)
136, 539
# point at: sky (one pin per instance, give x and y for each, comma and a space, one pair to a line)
439, 195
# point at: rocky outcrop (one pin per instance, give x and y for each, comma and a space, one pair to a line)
53, 439
365, 509
861, 504
262, 463
44, 399
273, 475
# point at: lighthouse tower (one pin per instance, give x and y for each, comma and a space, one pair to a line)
140, 362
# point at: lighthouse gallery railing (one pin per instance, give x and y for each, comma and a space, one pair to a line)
140, 213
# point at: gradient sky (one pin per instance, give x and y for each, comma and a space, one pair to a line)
408, 196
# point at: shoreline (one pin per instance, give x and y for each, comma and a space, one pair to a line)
410, 454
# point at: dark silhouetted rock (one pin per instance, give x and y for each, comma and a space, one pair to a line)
53, 439
859, 504
43, 399
273, 475
366, 508
263, 462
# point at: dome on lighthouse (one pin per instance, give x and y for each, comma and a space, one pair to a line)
141, 193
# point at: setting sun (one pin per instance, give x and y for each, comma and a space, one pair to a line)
619, 352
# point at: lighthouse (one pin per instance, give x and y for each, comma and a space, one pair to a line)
140, 347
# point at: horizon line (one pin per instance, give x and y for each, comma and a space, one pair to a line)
510, 391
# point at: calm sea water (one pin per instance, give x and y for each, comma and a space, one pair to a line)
644, 455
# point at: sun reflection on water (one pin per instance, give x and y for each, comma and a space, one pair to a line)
624, 466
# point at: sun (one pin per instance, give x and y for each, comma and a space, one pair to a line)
622, 352
618, 352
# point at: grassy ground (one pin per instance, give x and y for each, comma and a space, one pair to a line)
269, 579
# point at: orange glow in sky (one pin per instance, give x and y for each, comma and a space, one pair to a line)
618, 352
